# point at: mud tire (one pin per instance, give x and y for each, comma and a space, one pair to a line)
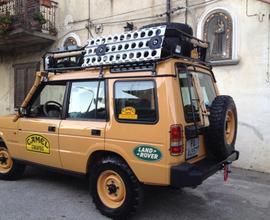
221, 134
134, 192
16, 170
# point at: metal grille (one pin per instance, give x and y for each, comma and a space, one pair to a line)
128, 47
22, 12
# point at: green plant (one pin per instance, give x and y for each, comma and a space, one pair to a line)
38, 16
6, 21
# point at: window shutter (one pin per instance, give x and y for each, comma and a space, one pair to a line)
19, 87
23, 81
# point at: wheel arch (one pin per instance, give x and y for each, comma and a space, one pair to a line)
2, 142
100, 154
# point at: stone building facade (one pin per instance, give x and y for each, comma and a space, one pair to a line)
239, 32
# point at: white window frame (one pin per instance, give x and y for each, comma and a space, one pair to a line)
73, 35
200, 28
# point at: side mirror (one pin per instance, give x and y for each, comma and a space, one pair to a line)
22, 111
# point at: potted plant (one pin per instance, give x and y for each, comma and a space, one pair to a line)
38, 16
6, 21
3, 2
38, 21
52, 29
46, 3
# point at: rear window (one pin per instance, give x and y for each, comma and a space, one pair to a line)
135, 101
189, 95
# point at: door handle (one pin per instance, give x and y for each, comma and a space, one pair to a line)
95, 132
51, 128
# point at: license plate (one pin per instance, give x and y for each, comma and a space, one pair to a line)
192, 148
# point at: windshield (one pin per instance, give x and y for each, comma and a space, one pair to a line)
189, 95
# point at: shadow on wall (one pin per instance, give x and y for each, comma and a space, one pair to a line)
256, 131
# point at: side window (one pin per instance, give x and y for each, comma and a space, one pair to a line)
135, 101
49, 102
87, 100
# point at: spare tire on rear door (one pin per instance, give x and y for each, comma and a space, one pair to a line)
221, 133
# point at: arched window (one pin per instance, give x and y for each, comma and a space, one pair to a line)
218, 31
70, 42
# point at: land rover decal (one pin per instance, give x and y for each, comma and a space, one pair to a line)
147, 153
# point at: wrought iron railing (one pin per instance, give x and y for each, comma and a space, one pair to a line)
29, 14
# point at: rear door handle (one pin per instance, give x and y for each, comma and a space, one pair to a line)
51, 128
95, 132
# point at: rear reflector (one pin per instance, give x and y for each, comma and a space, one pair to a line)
176, 140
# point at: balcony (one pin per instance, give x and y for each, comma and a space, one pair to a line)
26, 24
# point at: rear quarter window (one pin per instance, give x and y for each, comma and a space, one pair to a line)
135, 101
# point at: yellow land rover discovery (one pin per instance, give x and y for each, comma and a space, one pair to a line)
130, 109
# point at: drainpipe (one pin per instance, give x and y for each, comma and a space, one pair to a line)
89, 18
168, 13
186, 12
268, 49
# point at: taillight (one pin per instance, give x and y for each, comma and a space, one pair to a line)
176, 140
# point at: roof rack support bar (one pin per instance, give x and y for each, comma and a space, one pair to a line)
101, 72
154, 69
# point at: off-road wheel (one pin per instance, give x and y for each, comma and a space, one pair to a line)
221, 134
9, 169
116, 191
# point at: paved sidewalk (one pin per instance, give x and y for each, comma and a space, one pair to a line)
45, 195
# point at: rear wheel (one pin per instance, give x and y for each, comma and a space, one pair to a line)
9, 169
221, 134
116, 191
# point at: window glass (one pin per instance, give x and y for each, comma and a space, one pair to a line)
87, 100
207, 87
70, 43
135, 101
189, 95
49, 102
218, 31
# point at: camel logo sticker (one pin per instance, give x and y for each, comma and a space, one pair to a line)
147, 153
128, 113
37, 143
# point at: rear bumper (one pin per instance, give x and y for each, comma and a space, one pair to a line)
190, 175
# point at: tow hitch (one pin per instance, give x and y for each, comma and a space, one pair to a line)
227, 170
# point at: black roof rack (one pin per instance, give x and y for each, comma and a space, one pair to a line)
131, 51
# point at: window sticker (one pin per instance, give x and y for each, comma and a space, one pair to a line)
37, 143
128, 113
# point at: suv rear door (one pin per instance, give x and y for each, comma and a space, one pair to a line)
192, 104
136, 126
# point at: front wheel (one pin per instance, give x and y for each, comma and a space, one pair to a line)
116, 191
9, 169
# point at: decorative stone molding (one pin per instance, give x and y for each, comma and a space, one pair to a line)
233, 58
